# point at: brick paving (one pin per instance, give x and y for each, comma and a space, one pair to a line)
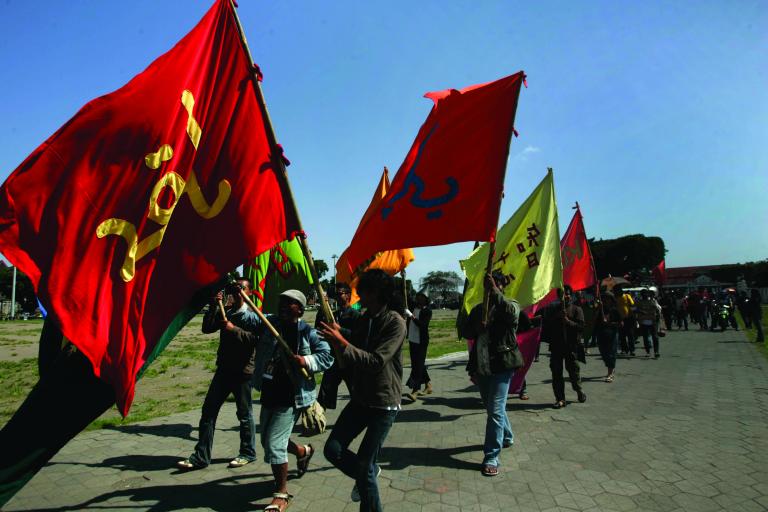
687, 432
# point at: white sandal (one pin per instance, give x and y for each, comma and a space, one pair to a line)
279, 496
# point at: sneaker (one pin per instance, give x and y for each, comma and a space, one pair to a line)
582, 397
355, 495
189, 465
657, 356
239, 462
507, 443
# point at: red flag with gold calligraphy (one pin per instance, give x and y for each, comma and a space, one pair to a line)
144, 197
448, 188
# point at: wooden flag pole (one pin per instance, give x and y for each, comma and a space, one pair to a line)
272, 329
405, 289
492, 244
221, 308
277, 157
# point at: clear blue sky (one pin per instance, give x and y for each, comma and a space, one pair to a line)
653, 114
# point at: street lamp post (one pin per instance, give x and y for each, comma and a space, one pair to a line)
334, 258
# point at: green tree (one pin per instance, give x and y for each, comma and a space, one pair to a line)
322, 268
627, 254
441, 285
25, 292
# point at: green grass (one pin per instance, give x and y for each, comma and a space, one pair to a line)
178, 380
17, 378
752, 333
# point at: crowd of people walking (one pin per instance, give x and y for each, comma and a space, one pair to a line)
363, 347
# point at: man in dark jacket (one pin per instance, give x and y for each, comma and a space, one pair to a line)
374, 357
563, 323
345, 316
234, 371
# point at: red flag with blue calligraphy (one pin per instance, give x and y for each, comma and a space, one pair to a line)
449, 187
144, 197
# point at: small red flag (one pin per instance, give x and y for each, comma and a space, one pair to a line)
449, 187
578, 267
146, 196
660, 273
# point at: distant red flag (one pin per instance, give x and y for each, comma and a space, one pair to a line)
578, 267
660, 273
449, 187
144, 197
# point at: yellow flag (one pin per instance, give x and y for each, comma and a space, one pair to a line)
527, 252
391, 262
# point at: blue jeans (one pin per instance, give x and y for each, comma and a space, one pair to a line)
276, 427
361, 466
649, 334
493, 390
222, 384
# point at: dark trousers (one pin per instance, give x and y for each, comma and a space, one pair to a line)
703, 313
419, 374
329, 386
649, 333
608, 341
682, 319
361, 466
222, 384
556, 360
627, 335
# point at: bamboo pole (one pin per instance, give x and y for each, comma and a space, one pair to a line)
278, 161
280, 341
221, 308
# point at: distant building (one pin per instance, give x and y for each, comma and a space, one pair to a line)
692, 278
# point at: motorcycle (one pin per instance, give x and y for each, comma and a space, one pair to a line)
721, 316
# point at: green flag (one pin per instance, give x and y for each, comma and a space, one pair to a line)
281, 268
527, 252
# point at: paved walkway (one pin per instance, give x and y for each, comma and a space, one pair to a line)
686, 432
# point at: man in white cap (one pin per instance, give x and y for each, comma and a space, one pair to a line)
285, 392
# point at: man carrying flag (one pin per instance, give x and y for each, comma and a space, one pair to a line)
235, 361
527, 265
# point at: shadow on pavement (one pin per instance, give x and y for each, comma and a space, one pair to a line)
138, 463
223, 494
464, 403
180, 430
527, 406
414, 413
400, 458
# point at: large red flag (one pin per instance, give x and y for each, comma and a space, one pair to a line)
449, 187
146, 196
660, 273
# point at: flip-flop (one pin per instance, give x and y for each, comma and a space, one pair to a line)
489, 470
302, 463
